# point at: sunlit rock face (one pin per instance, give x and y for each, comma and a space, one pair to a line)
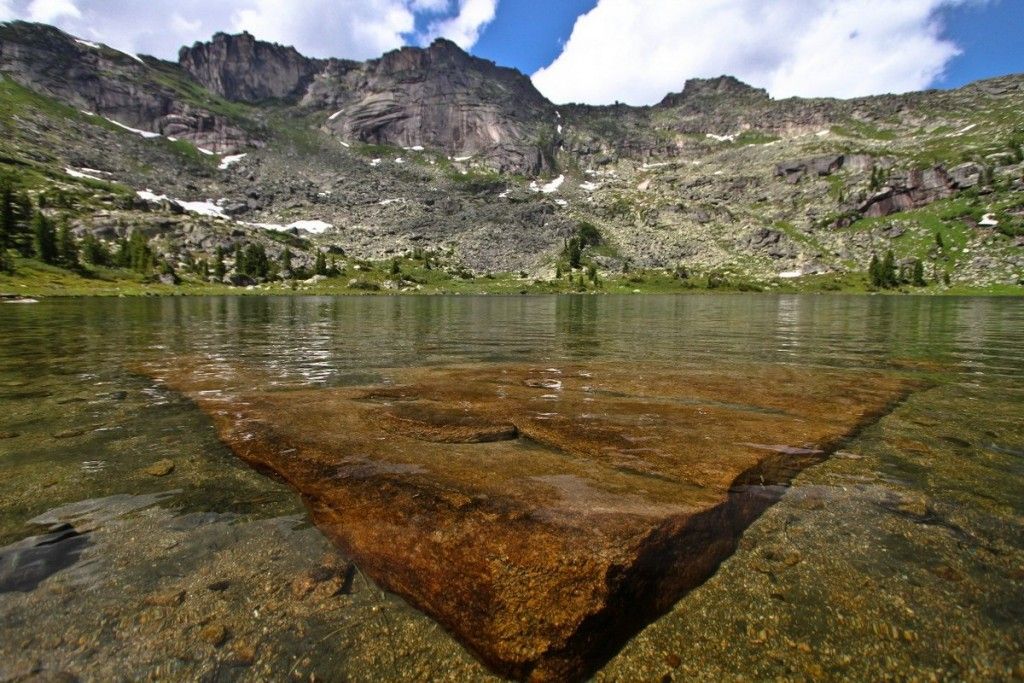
542, 515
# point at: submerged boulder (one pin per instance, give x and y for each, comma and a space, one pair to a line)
542, 515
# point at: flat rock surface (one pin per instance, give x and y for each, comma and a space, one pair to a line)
542, 515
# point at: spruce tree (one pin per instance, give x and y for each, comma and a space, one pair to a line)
7, 226
918, 274
67, 249
240, 265
286, 260
875, 272
889, 270
45, 239
320, 265
94, 251
219, 269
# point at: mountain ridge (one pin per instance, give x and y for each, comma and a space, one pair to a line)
432, 150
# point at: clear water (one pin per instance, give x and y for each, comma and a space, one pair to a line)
900, 558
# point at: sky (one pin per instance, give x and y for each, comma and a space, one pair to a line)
603, 51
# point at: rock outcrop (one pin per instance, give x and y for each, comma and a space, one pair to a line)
544, 554
243, 69
113, 84
444, 99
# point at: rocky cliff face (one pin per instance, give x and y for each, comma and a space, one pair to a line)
243, 69
125, 88
438, 98
444, 99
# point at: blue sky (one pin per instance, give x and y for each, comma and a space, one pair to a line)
602, 51
992, 40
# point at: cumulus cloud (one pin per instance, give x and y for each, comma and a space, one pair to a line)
464, 28
356, 29
636, 51
48, 11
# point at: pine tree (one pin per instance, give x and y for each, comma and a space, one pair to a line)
918, 274
7, 226
889, 270
240, 265
219, 269
286, 260
257, 265
592, 274
94, 251
939, 242
123, 257
396, 267
45, 238
67, 248
875, 272
575, 252
558, 271
320, 265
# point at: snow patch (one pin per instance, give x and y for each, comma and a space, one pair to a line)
550, 187
559, 129
335, 115
988, 221
967, 129
207, 152
344, 144
414, 148
85, 173
88, 43
462, 158
207, 208
790, 274
823, 133
148, 134
375, 162
561, 202
228, 161
399, 160
315, 227
722, 138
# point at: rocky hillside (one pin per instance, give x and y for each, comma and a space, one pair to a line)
433, 151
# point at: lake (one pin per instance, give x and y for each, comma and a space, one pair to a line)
134, 544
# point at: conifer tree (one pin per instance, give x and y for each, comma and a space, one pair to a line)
257, 261
67, 248
45, 238
219, 269
875, 272
889, 270
240, 265
320, 265
94, 251
286, 260
918, 274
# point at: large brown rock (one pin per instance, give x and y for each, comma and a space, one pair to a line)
542, 515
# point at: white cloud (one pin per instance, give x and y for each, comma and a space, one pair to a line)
47, 11
356, 29
636, 51
464, 28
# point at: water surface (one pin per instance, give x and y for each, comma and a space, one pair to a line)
901, 557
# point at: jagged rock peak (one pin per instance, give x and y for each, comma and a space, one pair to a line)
242, 68
722, 86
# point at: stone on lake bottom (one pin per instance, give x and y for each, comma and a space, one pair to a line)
542, 515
